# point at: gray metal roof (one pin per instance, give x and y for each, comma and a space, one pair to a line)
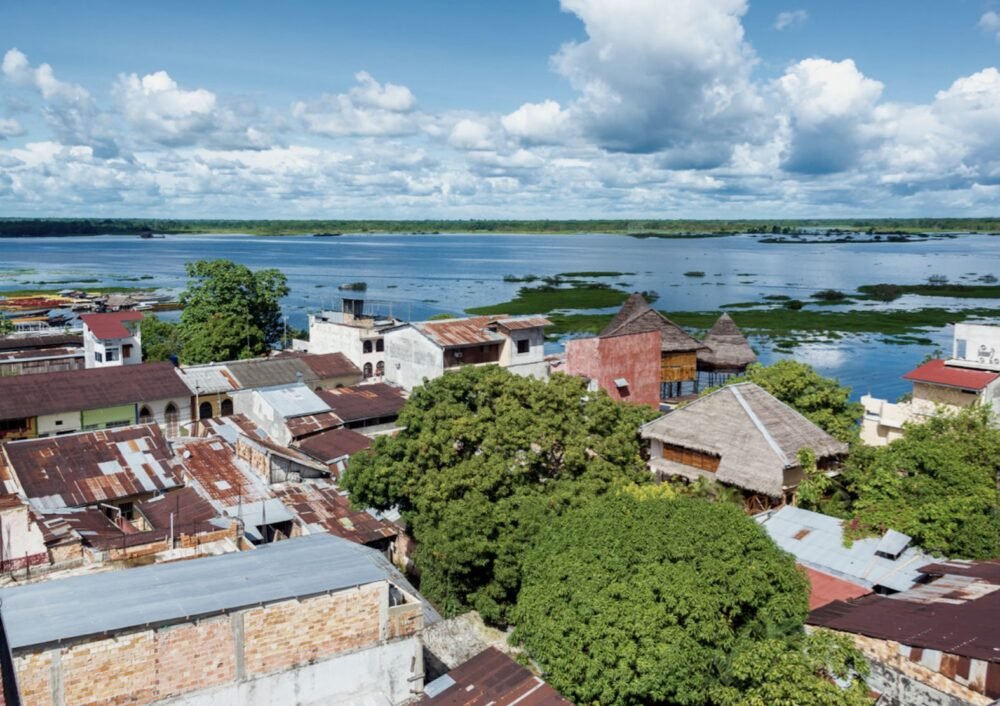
817, 541
293, 400
81, 606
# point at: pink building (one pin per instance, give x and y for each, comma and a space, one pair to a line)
627, 367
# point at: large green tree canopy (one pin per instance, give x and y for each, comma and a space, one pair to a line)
230, 311
821, 400
938, 484
636, 598
485, 459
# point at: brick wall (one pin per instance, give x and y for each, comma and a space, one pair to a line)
143, 666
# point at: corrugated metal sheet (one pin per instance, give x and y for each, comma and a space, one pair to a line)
817, 541
74, 390
937, 372
111, 325
323, 508
461, 332
301, 427
333, 444
224, 478
292, 400
64, 609
360, 402
93, 467
959, 615
208, 379
491, 678
519, 323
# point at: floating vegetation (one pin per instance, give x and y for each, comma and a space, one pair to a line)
694, 273
830, 295
522, 278
592, 274
354, 286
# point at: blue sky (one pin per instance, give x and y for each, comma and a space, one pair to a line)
531, 108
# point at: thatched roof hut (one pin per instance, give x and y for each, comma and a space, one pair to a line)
727, 348
637, 316
740, 435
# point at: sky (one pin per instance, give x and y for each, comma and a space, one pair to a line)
515, 109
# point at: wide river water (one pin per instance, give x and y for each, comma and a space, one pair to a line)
422, 275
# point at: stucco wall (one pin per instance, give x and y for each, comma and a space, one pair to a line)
49, 424
410, 357
21, 543
635, 358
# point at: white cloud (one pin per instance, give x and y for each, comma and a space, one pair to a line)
9, 127
368, 109
790, 18
160, 111
539, 123
19, 71
990, 23
655, 75
470, 134
829, 105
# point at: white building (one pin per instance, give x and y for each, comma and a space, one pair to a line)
285, 413
971, 376
425, 350
357, 334
112, 339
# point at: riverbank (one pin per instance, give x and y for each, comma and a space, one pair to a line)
657, 228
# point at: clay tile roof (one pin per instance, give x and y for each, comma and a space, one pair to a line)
637, 316
360, 402
755, 436
937, 372
88, 468
72, 390
491, 678
323, 508
111, 325
727, 348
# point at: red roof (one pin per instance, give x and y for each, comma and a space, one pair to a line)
827, 589
491, 678
109, 326
937, 372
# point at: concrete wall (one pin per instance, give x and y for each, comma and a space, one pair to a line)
331, 648
114, 416
332, 337
251, 404
21, 542
92, 346
981, 344
410, 358
52, 424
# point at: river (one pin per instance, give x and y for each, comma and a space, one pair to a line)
418, 276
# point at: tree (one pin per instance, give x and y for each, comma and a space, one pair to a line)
821, 400
637, 599
230, 311
486, 459
938, 484
160, 339
5, 325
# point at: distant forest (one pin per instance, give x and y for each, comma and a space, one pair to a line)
29, 227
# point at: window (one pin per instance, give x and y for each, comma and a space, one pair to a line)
112, 354
366, 347
145, 415
205, 410
379, 345
961, 346
380, 368
98, 357
367, 370
227, 408
127, 350
690, 457
523, 345
172, 418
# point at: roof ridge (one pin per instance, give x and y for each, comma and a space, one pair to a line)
760, 425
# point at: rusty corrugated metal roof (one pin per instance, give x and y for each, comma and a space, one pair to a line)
322, 507
307, 425
360, 402
223, 477
517, 323
93, 467
328, 446
491, 678
461, 332
957, 614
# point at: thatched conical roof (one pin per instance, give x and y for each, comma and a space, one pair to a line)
728, 348
637, 316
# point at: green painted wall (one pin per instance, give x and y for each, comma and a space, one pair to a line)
100, 418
